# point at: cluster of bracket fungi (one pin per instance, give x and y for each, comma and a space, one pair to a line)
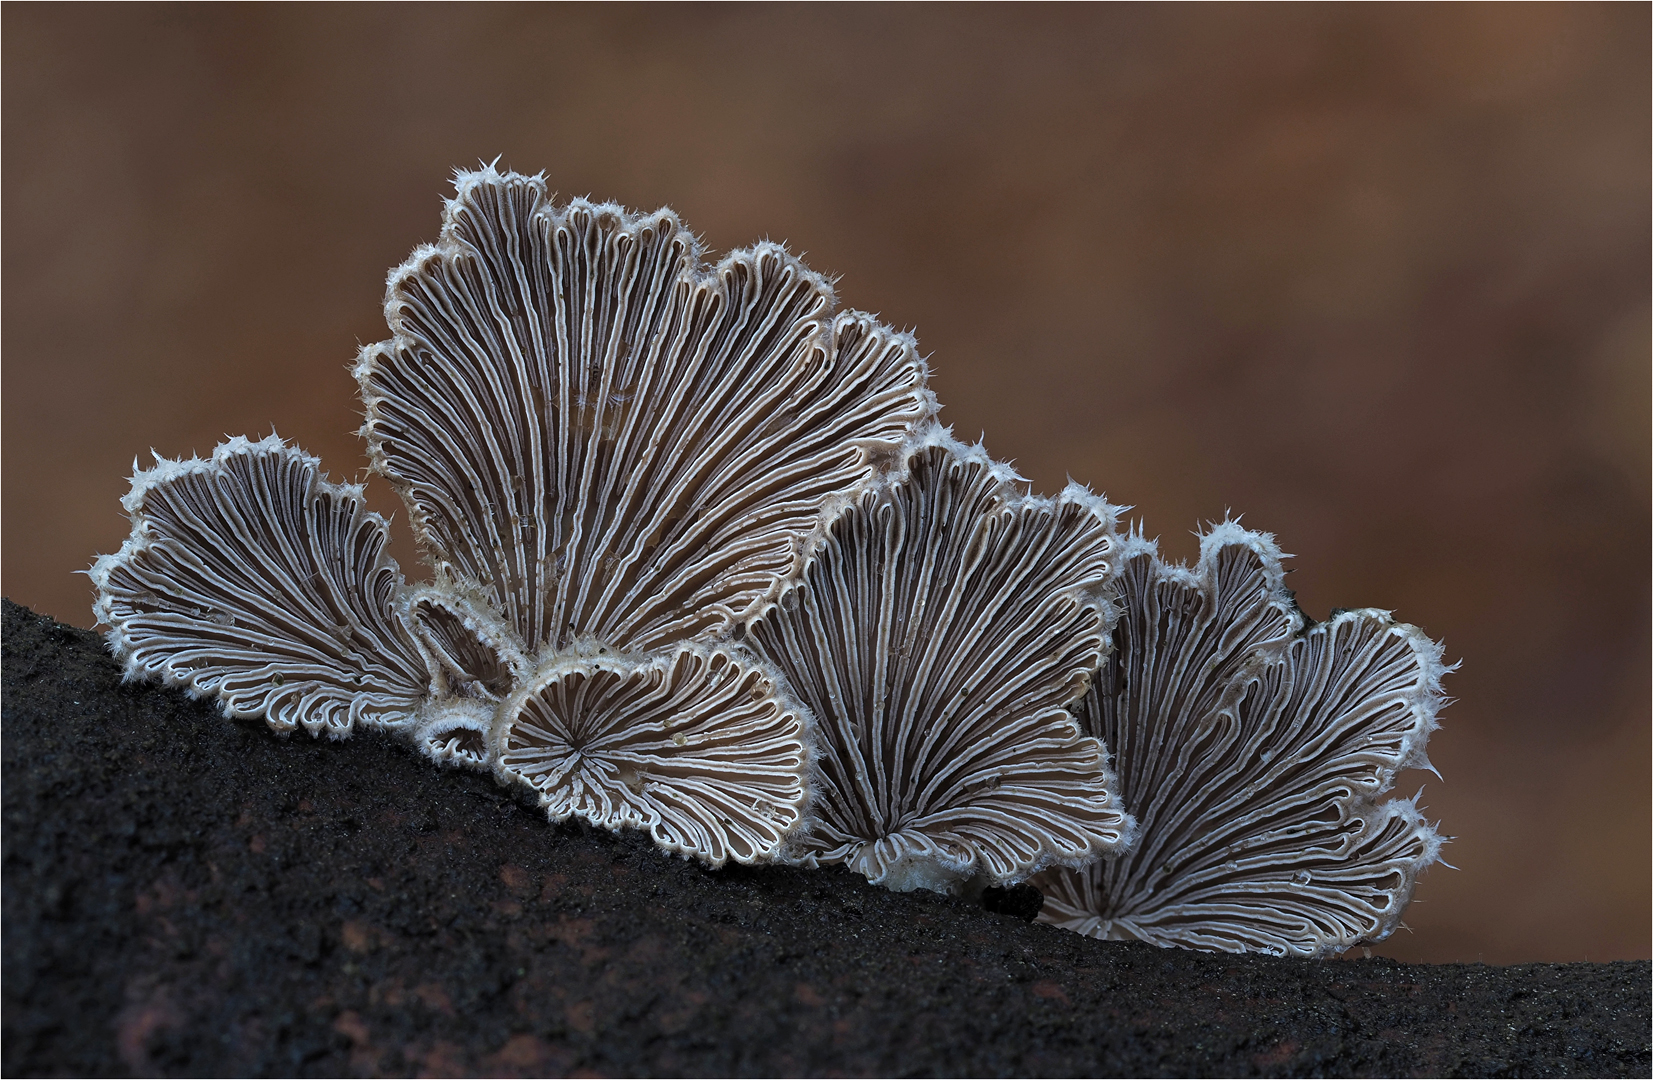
704, 564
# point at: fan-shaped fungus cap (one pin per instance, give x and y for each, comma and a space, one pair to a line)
604, 438
695, 744
250, 577
607, 451
937, 633
1252, 751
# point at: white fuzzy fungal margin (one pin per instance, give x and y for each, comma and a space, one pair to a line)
938, 631
705, 565
1252, 750
249, 577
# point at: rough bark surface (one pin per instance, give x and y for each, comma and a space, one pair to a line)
187, 895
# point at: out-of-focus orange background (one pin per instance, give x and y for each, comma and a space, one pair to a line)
1375, 277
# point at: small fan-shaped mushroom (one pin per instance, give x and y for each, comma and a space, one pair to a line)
456, 733
475, 664
472, 658
251, 577
604, 438
1252, 752
937, 633
695, 744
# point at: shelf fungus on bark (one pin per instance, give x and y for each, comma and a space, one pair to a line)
1252, 748
938, 631
249, 577
697, 745
609, 442
705, 565
611, 454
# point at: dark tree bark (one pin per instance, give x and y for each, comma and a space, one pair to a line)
188, 895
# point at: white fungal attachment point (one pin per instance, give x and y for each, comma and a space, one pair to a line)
696, 745
474, 664
1252, 752
248, 576
937, 633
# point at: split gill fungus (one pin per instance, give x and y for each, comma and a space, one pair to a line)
704, 563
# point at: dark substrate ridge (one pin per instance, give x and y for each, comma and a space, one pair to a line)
193, 896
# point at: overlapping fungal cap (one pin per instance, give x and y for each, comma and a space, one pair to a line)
249, 577
696, 745
1252, 751
611, 453
938, 631
608, 441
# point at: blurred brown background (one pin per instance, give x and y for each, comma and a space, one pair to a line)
1376, 277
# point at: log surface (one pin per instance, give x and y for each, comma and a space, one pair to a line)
189, 895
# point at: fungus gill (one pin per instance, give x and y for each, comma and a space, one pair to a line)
250, 577
1252, 750
609, 454
705, 565
937, 632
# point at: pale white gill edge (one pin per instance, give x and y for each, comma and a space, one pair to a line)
623, 663
1015, 492
167, 471
698, 275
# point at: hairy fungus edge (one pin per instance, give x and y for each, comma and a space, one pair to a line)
319, 706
